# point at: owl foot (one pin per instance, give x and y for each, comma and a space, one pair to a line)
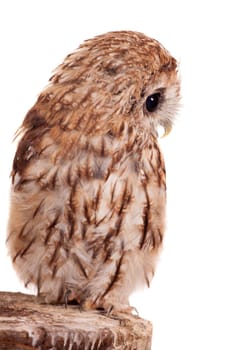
118, 313
71, 298
110, 309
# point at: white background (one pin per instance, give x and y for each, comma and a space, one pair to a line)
190, 300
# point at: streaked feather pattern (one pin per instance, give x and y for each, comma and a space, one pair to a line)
88, 181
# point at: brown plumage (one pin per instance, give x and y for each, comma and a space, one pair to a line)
88, 179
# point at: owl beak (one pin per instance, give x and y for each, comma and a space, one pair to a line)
167, 130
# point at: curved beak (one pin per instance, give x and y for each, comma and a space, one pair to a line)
167, 130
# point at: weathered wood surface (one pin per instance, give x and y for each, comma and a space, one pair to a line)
26, 325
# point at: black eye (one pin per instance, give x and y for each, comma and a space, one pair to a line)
152, 102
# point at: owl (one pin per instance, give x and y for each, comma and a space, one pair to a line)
88, 197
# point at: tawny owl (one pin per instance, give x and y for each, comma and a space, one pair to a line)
88, 180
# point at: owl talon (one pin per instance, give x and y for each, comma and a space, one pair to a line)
118, 313
67, 293
71, 298
109, 310
134, 310
105, 311
108, 313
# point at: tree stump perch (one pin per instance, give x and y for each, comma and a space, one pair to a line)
27, 325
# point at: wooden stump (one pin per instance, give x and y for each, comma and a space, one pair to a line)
26, 325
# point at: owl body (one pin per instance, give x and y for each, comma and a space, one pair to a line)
88, 181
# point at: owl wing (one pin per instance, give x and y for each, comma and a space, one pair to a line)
80, 208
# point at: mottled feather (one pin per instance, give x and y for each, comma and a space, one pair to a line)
88, 180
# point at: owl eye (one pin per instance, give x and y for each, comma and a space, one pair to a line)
152, 102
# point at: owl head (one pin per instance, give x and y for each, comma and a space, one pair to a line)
115, 79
